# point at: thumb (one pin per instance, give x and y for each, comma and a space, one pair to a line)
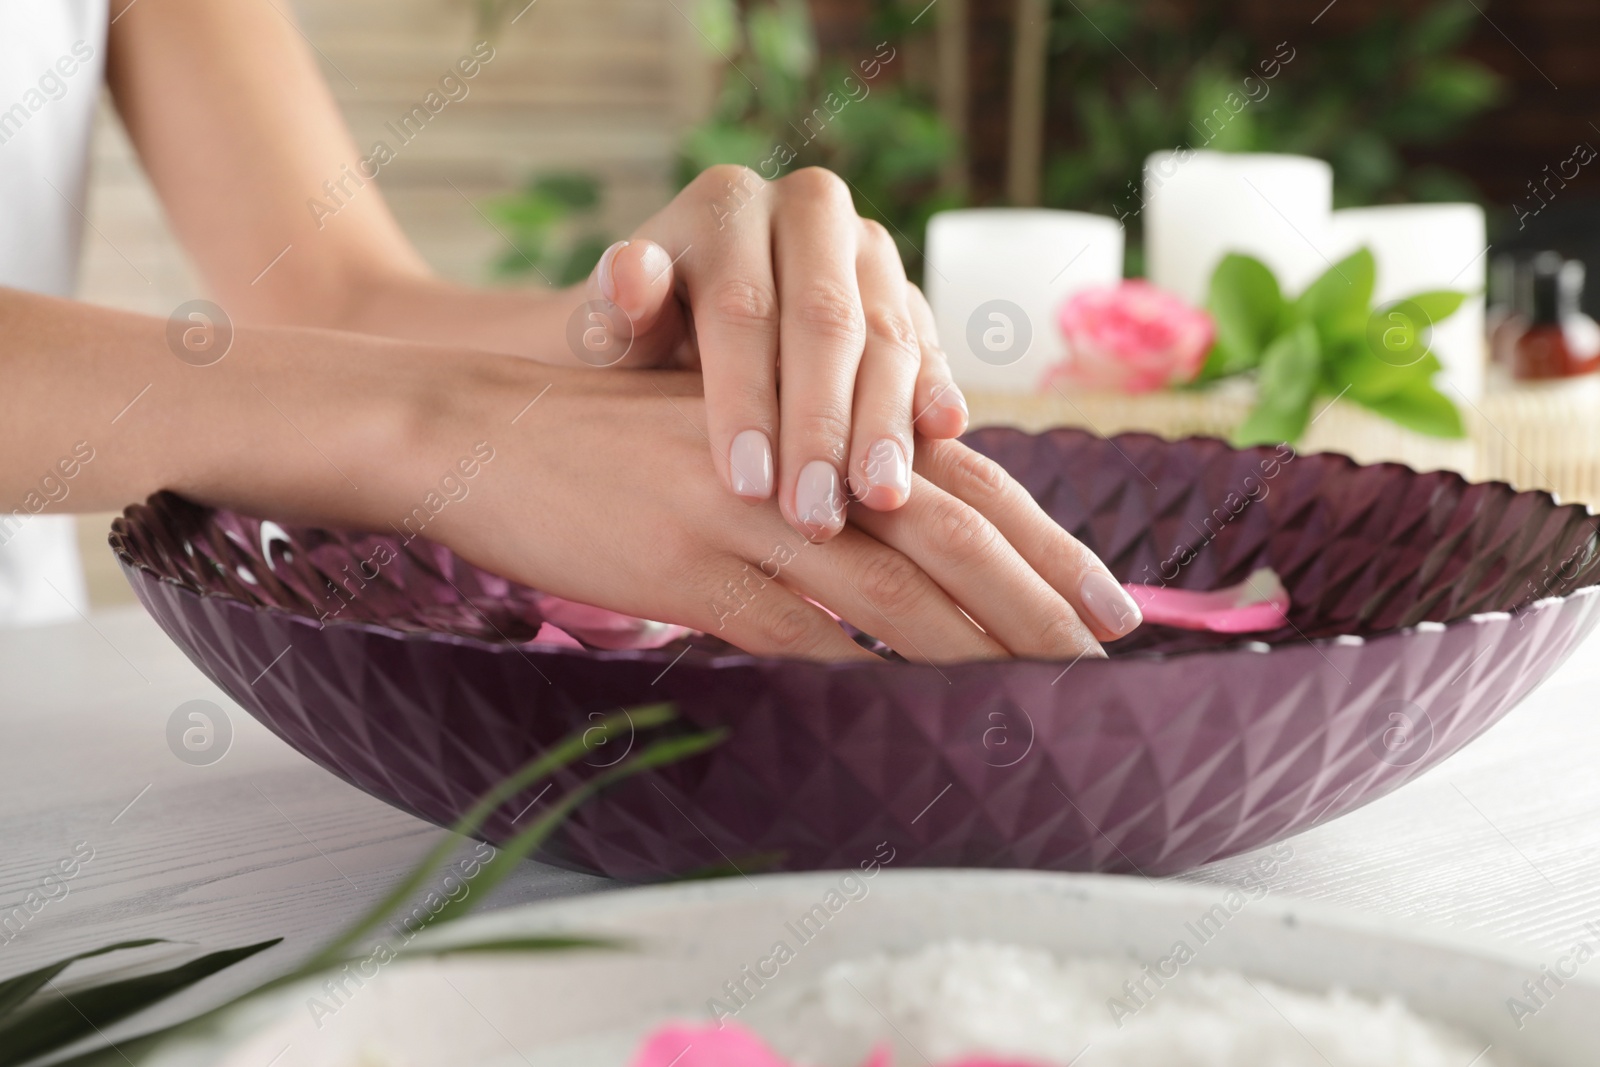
638, 277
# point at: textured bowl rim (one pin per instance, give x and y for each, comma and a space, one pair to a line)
740, 658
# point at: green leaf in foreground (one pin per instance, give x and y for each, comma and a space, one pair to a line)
548, 943
566, 752
657, 754
1290, 372
54, 1024
14, 992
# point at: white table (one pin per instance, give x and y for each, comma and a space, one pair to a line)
1503, 839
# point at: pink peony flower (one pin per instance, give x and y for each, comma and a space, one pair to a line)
731, 1045
1130, 337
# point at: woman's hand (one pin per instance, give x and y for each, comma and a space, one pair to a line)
593, 487
601, 493
820, 359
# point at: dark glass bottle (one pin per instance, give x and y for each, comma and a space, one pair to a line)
1507, 315
1560, 341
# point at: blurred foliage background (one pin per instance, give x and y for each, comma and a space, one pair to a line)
1124, 78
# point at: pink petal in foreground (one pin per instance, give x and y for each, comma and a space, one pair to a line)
731, 1045
676, 1045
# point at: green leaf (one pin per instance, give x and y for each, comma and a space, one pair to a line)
718, 23
782, 39
337, 952
14, 992
59, 1022
729, 868
1290, 373
567, 751
1454, 89
535, 943
1247, 307
1437, 304
1354, 368
1336, 303
496, 870
572, 190
1443, 27
1421, 407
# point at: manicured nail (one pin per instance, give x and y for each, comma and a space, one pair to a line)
750, 459
950, 400
602, 271
654, 261
888, 475
818, 503
1109, 603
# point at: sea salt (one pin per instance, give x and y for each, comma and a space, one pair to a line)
957, 999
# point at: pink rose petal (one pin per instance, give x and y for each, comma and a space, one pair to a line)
676, 1045
602, 628
731, 1045
553, 635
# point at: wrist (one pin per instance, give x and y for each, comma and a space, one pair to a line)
339, 429
526, 322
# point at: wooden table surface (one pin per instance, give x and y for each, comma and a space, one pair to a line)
1503, 839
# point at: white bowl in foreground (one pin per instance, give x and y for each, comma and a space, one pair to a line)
691, 940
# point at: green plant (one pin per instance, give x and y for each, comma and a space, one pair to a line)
1329, 340
883, 138
33, 1026
780, 108
1358, 99
553, 226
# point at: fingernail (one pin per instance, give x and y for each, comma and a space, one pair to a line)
818, 503
950, 399
602, 271
654, 261
750, 459
1109, 603
888, 475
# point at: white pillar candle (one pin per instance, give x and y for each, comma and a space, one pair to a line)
1419, 247
995, 278
1199, 206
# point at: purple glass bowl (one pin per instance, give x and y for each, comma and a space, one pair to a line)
1424, 607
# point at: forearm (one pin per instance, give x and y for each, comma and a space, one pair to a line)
310, 425
241, 138
244, 143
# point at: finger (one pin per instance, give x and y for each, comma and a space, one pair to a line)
638, 277
965, 553
626, 314
727, 275
819, 346
1059, 558
880, 423
882, 592
939, 408
767, 619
